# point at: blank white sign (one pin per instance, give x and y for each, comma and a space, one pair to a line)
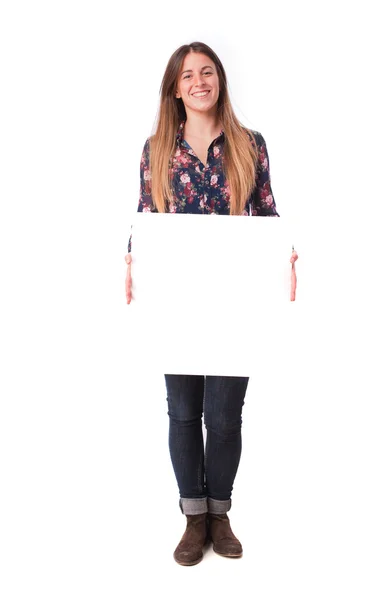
210, 295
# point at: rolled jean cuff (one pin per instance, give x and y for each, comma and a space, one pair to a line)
218, 507
193, 506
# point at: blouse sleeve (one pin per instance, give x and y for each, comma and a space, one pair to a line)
263, 204
145, 197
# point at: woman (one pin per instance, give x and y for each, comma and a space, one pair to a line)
202, 160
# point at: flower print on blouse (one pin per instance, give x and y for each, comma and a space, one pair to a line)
203, 189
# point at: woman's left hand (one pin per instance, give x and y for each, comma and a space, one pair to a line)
293, 259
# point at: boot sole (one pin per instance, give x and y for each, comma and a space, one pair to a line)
188, 564
229, 555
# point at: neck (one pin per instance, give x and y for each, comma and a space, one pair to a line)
202, 125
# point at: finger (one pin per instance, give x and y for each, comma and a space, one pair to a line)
128, 285
293, 283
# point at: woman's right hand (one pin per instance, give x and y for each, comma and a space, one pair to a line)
128, 280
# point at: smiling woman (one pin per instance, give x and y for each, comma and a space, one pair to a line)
201, 160
191, 71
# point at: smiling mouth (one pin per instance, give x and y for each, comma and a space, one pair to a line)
201, 94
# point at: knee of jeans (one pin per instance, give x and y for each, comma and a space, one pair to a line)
183, 412
223, 426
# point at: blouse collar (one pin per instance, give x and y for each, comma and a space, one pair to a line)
179, 135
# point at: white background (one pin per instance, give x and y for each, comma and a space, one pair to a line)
89, 504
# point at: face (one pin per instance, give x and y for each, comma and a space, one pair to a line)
198, 74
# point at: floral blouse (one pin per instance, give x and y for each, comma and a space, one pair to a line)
203, 189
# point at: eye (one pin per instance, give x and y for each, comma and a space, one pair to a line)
205, 73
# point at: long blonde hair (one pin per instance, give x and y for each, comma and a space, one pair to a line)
240, 154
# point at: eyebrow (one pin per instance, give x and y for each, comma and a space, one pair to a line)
191, 70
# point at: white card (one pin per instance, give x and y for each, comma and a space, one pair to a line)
210, 295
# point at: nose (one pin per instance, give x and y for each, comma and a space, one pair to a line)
199, 80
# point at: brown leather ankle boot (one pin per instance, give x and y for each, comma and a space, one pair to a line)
189, 550
224, 541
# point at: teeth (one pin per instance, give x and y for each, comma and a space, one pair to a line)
200, 94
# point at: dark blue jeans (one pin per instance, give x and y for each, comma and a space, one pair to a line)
205, 477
